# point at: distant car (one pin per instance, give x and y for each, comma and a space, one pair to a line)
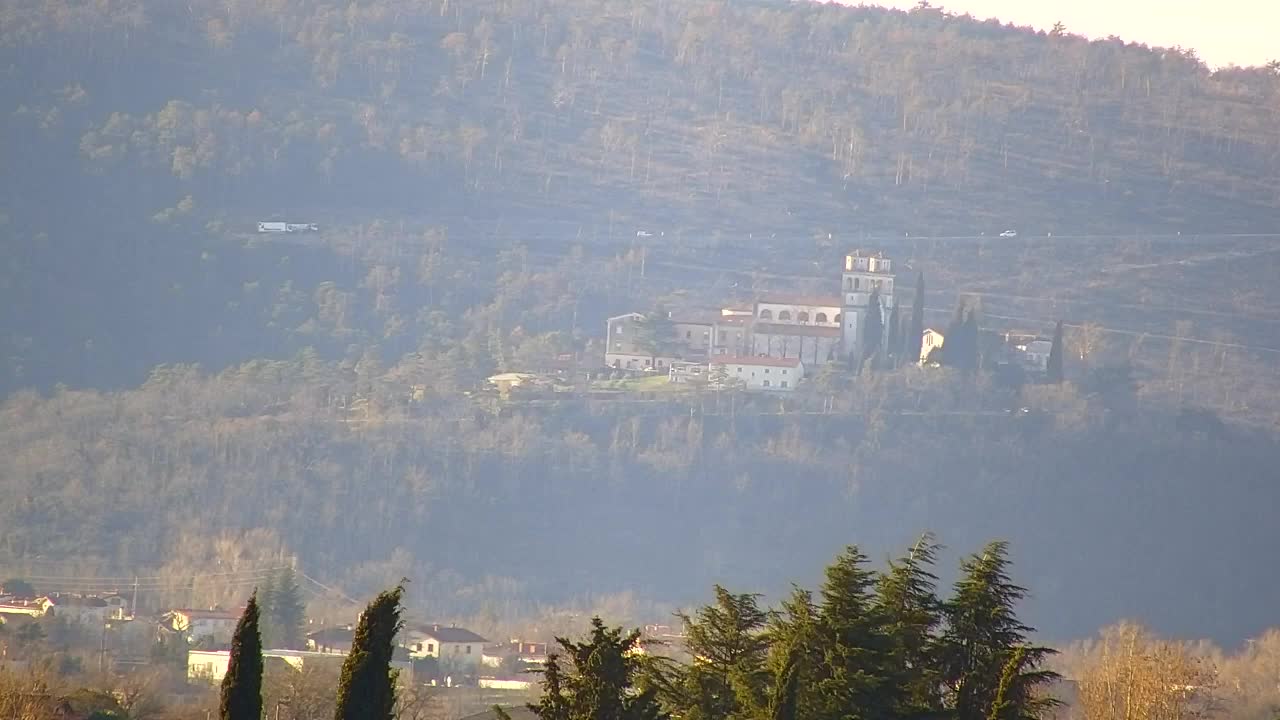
1009, 233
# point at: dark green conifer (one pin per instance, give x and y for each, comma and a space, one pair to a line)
983, 635
873, 328
366, 688
915, 334
1053, 370
600, 682
907, 600
242, 685
729, 680
853, 681
288, 613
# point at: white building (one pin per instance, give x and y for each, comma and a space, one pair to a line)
86, 610
213, 627
930, 341
760, 373
457, 649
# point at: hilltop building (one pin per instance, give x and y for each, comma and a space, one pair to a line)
811, 330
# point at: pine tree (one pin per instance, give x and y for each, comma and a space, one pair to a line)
852, 678
288, 613
873, 328
601, 682
795, 655
907, 599
915, 335
271, 635
971, 360
983, 635
1053, 370
242, 685
729, 679
366, 688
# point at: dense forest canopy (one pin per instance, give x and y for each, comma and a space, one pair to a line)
481, 172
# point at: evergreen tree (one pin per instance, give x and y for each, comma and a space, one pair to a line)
1053, 370
729, 679
907, 599
873, 328
795, 655
983, 636
271, 635
915, 334
971, 360
242, 685
852, 680
894, 340
288, 611
960, 342
366, 688
601, 682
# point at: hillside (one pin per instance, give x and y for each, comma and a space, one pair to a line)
494, 178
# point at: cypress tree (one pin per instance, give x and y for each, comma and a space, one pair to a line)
915, 335
366, 688
1053, 370
242, 685
270, 631
983, 635
970, 360
907, 599
894, 341
873, 329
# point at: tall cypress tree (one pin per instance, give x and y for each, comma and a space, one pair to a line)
873, 328
1053, 370
894, 340
915, 335
366, 688
270, 631
242, 685
983, 635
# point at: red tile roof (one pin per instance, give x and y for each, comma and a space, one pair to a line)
766, 361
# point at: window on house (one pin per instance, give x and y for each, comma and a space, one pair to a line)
783, 383
766, 314
803, 317
468, 649
688, 334
766, 383
836, 319
785, 315
784, 371
855, 283
417, 647
431, 647
766, 371
821, 317
618, 330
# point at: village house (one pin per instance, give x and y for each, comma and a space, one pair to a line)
331, 640
1034, 356
209, 627
457, 649
759, 373
514, 652
930, 341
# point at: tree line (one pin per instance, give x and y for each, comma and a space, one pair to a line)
869, 644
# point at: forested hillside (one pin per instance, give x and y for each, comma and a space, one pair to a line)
143, 138
494, 178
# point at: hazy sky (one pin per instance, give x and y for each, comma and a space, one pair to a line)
1222, 31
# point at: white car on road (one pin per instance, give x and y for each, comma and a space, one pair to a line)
1009, 233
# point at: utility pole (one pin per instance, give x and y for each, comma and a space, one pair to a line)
133, 607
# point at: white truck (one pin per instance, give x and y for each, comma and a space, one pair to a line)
282, 227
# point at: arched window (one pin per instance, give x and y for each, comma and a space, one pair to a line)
836, 320
766, 314
821, 317
784, 316
802, 317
